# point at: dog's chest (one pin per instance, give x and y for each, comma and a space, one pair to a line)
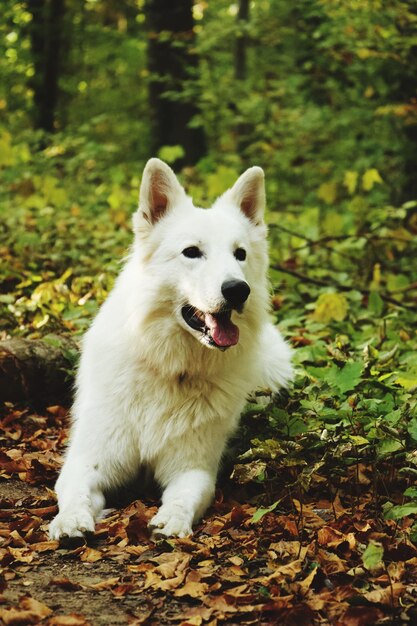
172, 408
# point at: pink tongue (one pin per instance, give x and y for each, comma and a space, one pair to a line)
222, 330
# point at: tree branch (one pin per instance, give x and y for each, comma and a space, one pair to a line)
323, 283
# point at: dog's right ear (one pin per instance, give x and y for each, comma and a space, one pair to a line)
159, 191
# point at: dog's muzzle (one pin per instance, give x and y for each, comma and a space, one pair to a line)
235, 292
217, 329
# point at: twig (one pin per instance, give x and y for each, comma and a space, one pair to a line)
312, 241
409, 287
325, 283
304, 277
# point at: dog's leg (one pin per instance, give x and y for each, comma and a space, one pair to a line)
80, 499
275, 368
184, 500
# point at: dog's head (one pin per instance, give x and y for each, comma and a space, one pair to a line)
209, 265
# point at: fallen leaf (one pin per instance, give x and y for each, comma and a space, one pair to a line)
289, 571
29, 611
360, 616
68, 620
332, 538
65, 583
90, 555
388, 595
330, 306
373, 556
193, 586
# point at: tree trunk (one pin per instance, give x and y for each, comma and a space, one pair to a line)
244, 128
46, 30
171, 62
38, 371
241, 40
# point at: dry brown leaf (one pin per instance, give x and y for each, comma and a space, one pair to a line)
108, 583
154, 581
22, 555
136, 550
288, 571
203, 612
214, 526
220, 604
304, 585
316, 602
193, 586
29, 603
297, 615
287, 549
288, 524
29, 611
232, 574
332, 538
17, 617
90, 555
123, 589
360, 616
57, 410
17, 540
170, 563
192, 621
385, 595
65, 583
330, 563
45, 546
68, 620
238, 592
309, 517
338, 507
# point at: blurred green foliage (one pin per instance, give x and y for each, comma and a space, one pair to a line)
328, 107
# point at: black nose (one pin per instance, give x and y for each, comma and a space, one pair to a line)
236, 292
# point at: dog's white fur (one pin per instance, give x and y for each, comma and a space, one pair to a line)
149, 393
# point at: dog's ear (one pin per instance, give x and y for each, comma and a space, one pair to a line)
248, 193
159, 191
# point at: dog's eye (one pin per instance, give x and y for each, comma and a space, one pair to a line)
240, 254
192, 252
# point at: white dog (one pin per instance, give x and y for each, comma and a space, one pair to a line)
168, 362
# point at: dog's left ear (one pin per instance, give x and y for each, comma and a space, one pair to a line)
248, 193
159, 192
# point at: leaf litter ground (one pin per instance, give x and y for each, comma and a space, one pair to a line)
307, 559
313, 520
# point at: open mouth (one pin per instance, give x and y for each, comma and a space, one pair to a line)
217, 329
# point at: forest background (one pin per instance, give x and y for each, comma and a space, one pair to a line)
320, 93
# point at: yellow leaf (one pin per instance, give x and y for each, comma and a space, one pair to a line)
333, 223
350, 181
330, 306
6, 150
407, 380
53, 151
376, 277
364, 53
369, 179
219, 180
327, 192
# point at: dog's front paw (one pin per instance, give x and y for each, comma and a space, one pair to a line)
68, 525
172, 520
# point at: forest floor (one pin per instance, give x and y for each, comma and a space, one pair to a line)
318, 561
